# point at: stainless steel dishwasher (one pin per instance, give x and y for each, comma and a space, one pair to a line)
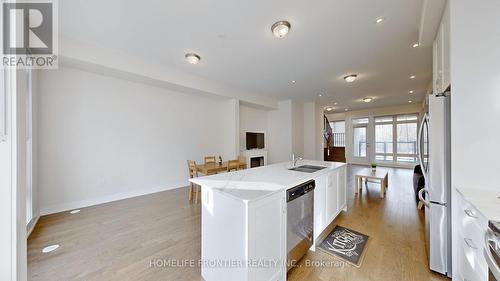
300, 221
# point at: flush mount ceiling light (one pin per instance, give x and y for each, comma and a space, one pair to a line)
379, 20
293, 81
412, 77
281, 28
50, 248
411, 92
415, 45
329, 108
192, 58
351, 78
367, 99
410, 101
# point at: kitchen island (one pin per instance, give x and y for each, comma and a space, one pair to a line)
244, 217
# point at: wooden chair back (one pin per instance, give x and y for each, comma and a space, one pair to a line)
243, 160
193, 173
210, 159
233, 165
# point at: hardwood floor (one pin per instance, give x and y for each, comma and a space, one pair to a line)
133, 239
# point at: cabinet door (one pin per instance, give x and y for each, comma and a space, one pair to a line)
439, 60
342, 188
434, 67
445, 26
319, 206
331, 196
267, 237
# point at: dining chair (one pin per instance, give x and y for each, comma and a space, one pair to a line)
243, 161
210, 159
233, 165
193, 188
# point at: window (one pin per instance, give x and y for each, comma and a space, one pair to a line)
407, 142
396, 138
383, 142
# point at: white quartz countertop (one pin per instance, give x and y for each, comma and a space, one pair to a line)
486, 200
255, 183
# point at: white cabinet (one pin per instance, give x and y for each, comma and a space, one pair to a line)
332, 196
441, 55
469, 226
445, 37
320, 205
239, 231
342, 192
329, 198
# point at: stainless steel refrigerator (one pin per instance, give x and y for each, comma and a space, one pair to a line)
434, 155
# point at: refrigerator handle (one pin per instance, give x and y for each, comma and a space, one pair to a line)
421, 197
420, 148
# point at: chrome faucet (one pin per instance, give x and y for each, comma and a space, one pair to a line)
295, 158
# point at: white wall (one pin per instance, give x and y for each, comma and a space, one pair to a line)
231, 125
252, 119
280, 132
103, 138
298, 128
475, 101
310, 132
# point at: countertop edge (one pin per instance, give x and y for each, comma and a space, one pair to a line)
487, 205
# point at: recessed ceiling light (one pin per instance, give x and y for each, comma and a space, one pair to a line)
335, 103
410, 101
410, 92
412, 77
320, 95
346, 109
293, 81
50, 248
74, 212
329, 108
192, 58
350, 78
281, 28
379, 20
415, 45
367, 99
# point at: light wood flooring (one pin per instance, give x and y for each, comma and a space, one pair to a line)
119, 240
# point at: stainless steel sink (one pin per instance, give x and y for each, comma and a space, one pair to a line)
307, 168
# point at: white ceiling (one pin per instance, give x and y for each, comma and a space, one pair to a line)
328, 39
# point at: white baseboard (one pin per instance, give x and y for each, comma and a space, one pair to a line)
106, 199
31, 226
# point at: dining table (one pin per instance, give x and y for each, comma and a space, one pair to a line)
214, 168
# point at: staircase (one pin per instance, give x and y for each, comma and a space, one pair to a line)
334, 149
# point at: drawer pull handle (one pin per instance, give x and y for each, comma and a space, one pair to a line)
470, 213
470, 243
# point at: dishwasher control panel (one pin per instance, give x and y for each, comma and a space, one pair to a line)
299, 190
